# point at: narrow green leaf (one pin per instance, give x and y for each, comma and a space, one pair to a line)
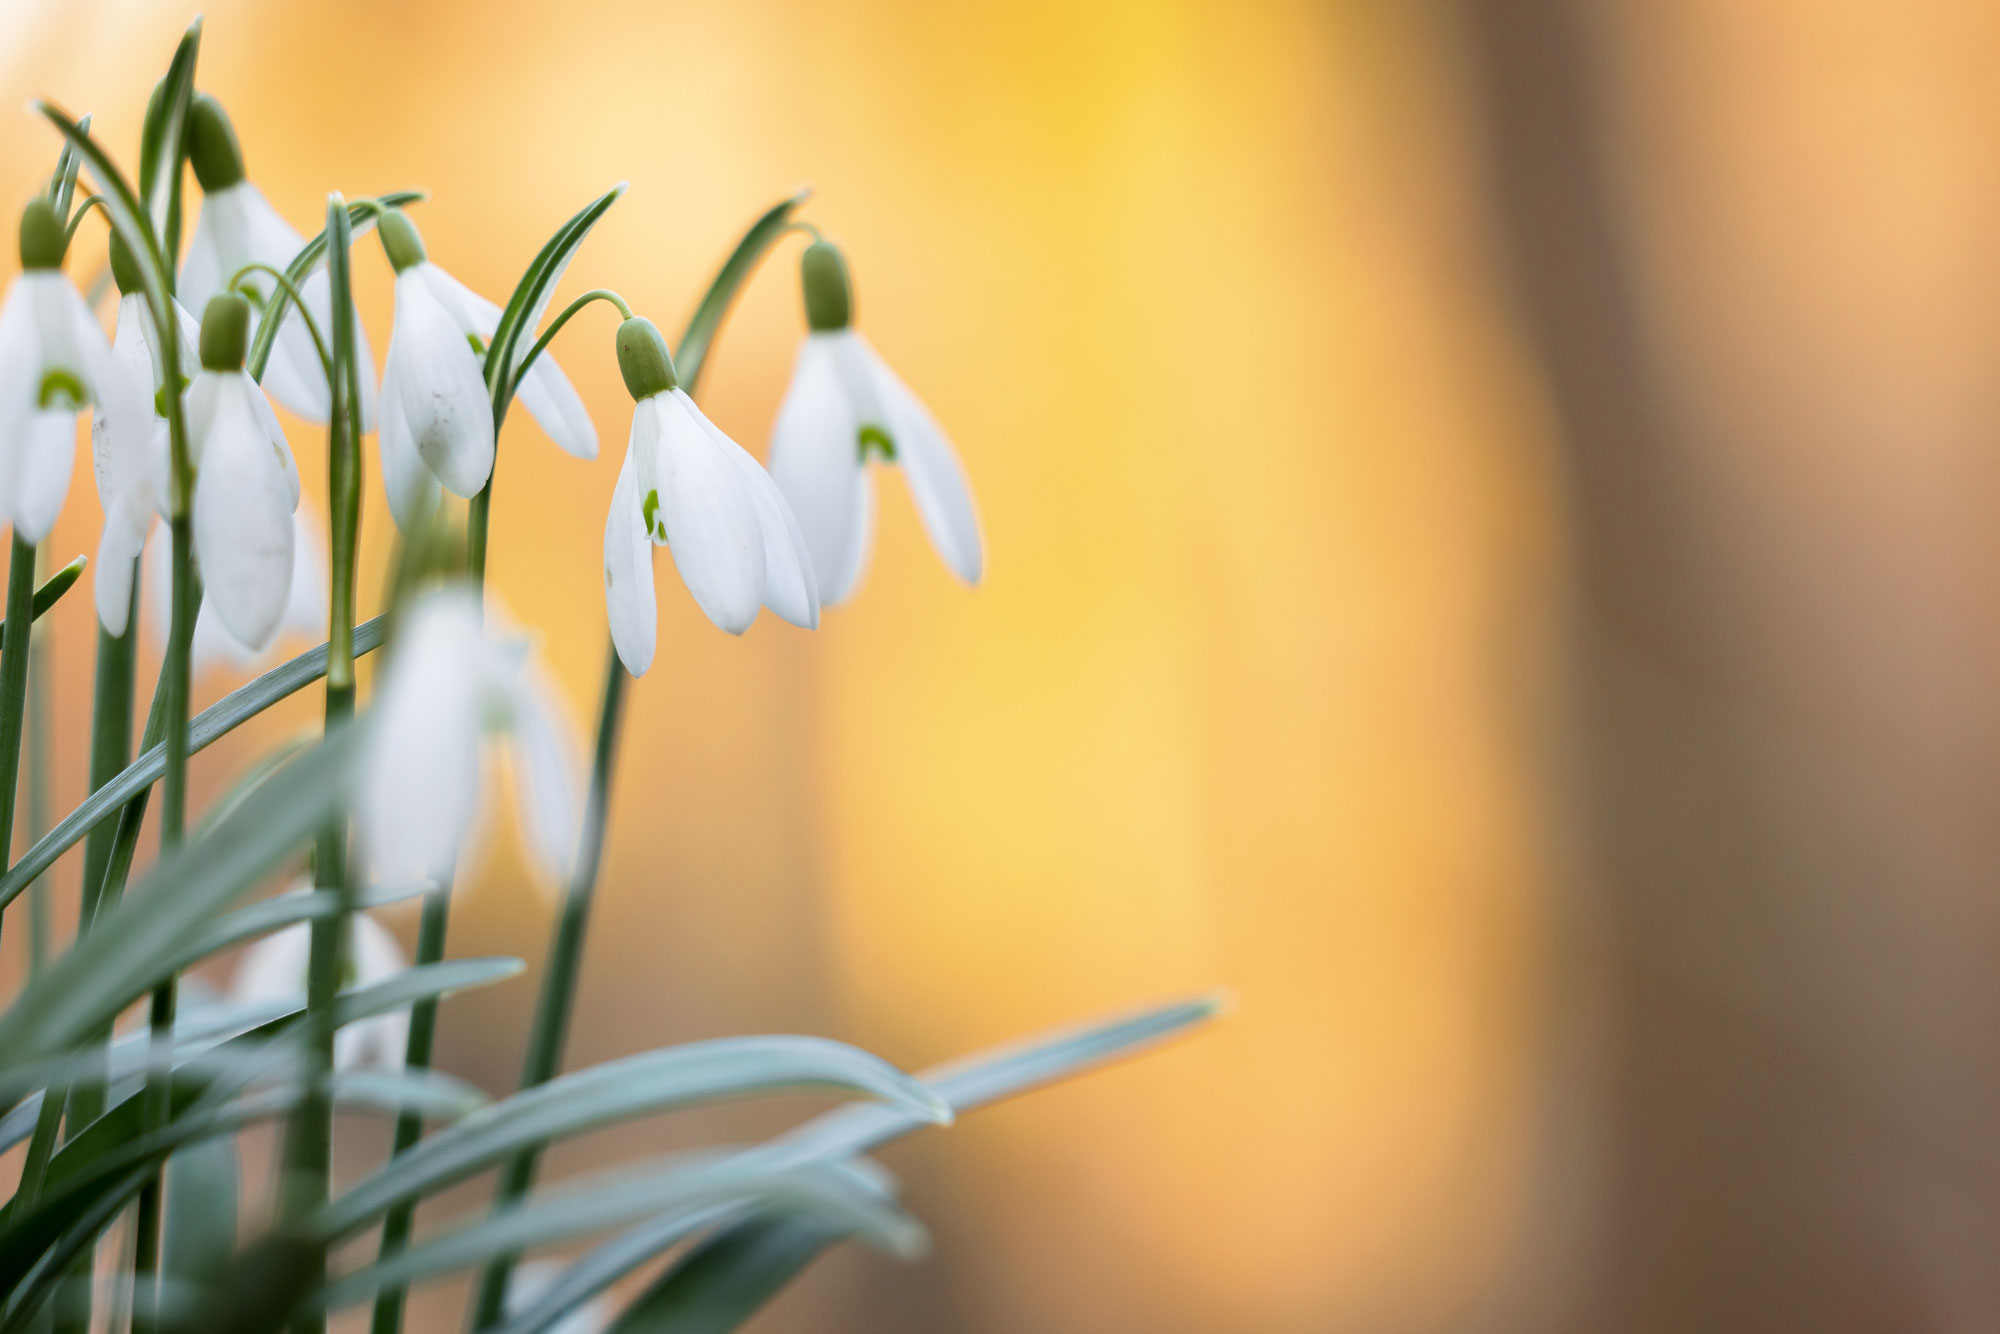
121, 958
531, 296
211, 724
692, 353
62, 186
619, 1090
725, 1280
720, 1283
200, 1230
163, 143
694, 1188
54, 587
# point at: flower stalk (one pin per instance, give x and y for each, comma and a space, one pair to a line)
557, 998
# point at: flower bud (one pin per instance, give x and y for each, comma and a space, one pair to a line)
225, 332
400, 241
213, 152
43, 236
828, 292
125, 269
643, 359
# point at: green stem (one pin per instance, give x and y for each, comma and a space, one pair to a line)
110, 751
291, 291
40, 774
311, 1147
176, 684
558, 993
14, 683
557, 999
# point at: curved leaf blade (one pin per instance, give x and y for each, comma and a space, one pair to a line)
620, 1090
691, 356
209, 726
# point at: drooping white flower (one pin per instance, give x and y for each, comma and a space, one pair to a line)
687, 486
275, 970
305, 616
238, 226
437, 417
132, 486
54, 363
246, 484
450, 681
530, 1279
843, 405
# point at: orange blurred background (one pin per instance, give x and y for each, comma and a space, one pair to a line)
1267, 685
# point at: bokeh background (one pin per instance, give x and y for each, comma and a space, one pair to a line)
1491, 560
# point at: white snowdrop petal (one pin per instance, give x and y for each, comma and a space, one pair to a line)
417, 781
937, 482
816, 463
439, 388
47, 460
557, 408
318, 292
411, 485
243, 517
710, 520
789, 589
274, 434
202, 271
530, 1279
543, 753
628, 576
306, 612
111, 573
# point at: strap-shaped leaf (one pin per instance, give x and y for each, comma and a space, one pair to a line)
120, 959
620, 1090
163, 144
692, 354
54, 587
723, 1281
200, 1231
62, 185
695, 1189
531, 296
211, 724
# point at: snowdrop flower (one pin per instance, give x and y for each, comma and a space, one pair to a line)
54, 363
274, 970
132, 485
238, 227
843, 405
689, 487
437, 418
305, 615
417, 783
246, 484
530, 1279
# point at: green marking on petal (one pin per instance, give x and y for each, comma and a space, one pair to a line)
61, 389
478, 344
655, 528
254, 294
874, 438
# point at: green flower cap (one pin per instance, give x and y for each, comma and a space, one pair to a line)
225, 332
829, 293
43, 236
212, 148
125, 269
400, 241
643, 359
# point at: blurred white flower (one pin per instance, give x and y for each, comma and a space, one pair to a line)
437, 417
686, 485
246, 485
274, 970
450, 680
54, 363
531, 1278
843, 405
305, 615
238, 227
132, 484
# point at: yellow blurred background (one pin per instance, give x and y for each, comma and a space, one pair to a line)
1273, 683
